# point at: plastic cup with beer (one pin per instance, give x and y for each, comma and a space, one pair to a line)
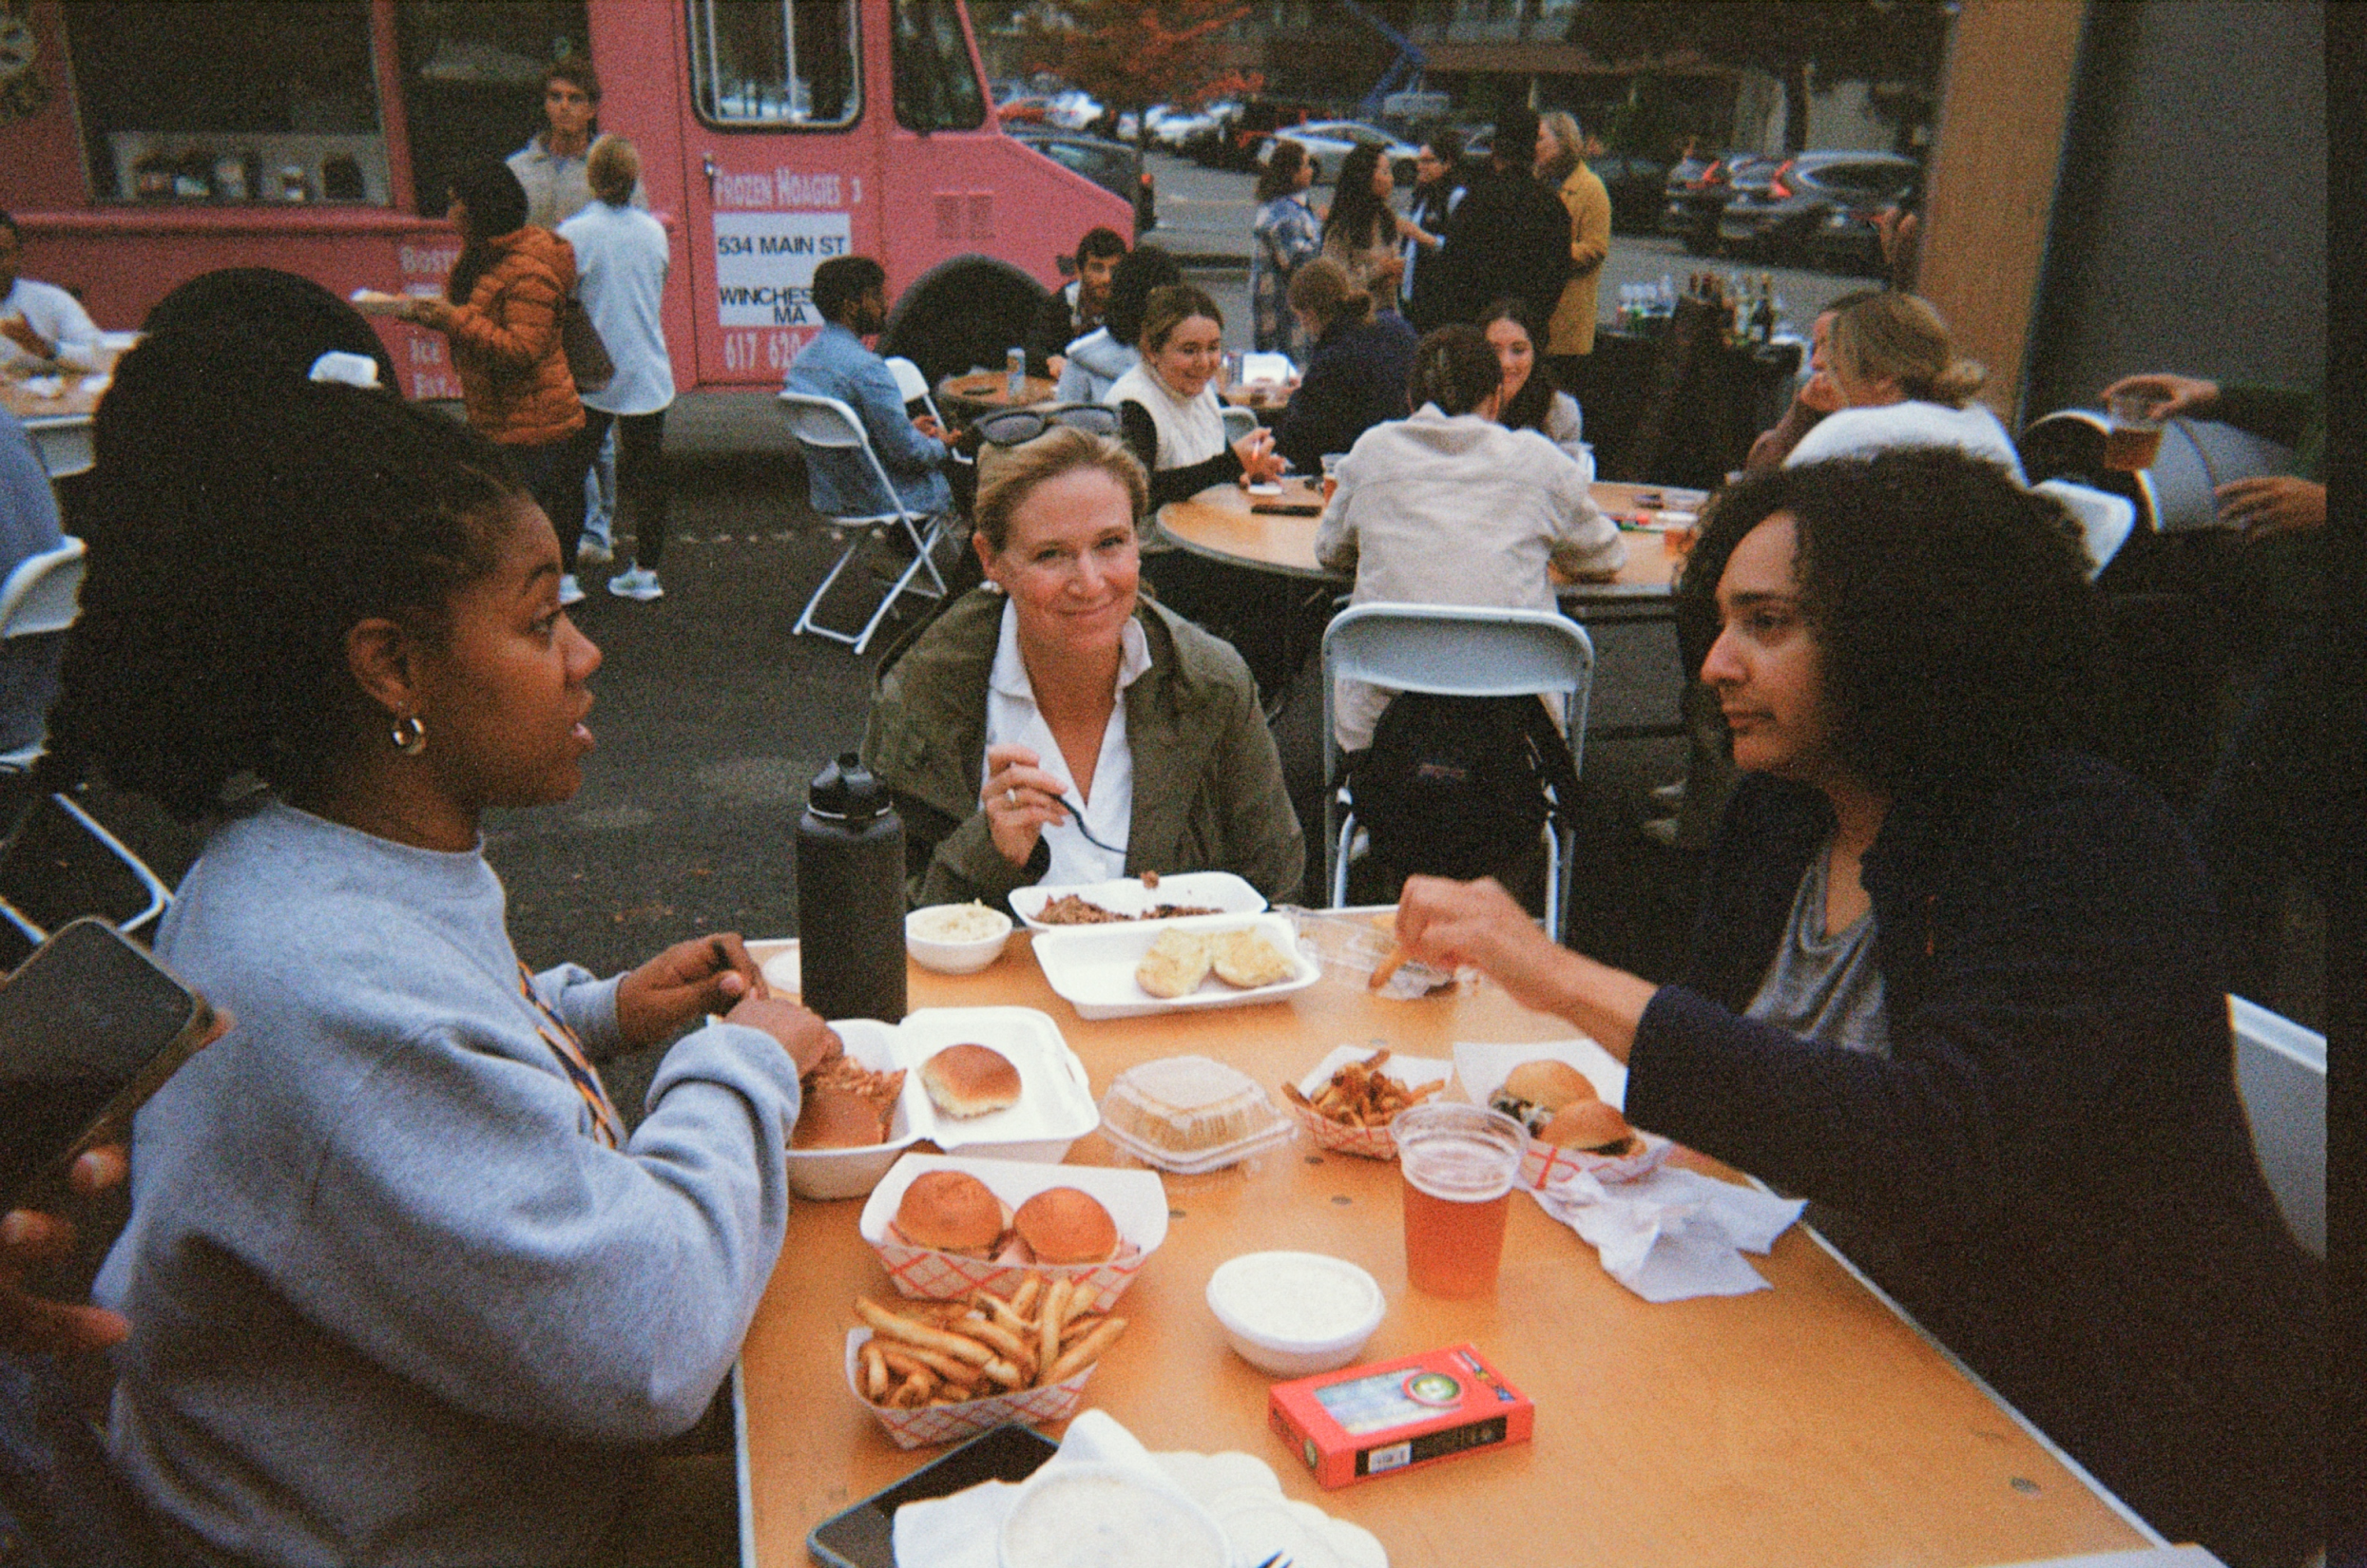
1458, 1163
1331, 474
2132, 436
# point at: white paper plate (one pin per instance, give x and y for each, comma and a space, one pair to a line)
1221, 890
1247, 1497
1092, 967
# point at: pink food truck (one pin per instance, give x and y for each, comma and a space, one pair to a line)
143, 142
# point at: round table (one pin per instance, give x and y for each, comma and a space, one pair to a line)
963, 398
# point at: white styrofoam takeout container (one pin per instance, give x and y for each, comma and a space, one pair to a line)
1055, 1108
1092, 967
1137, 1201
1221, 890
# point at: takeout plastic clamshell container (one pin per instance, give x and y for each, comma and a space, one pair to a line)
932, 1423
1055, 1107
1136, 1200
1371, 1142
1092, 966
1221, 890
1272, 1127
1481, 1070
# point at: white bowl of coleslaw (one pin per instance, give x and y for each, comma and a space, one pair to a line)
956, 939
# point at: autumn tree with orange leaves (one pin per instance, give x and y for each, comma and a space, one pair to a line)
1133, 53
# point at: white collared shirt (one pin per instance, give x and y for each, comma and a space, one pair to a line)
1013, 718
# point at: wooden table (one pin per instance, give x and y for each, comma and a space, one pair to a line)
1218, 523
965, 397
59, 425
1807, 1424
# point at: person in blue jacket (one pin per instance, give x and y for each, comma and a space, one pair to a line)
1959, 984
850, 295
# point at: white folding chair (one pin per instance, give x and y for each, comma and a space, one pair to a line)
41, 597
59, 862
1457, 650
825, 423
913, 387
2105, 520
2280, 1072
1238, 423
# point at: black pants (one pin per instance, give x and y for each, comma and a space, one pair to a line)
640, 482
553, 476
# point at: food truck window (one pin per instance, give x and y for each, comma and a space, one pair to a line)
472, 80
792, 64
237, 101
936, 87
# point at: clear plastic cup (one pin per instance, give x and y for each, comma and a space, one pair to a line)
1458, 1162
1331, 472
2132, 439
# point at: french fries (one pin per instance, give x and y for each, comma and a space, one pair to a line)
1388, 966
942, 1353
1360, 1095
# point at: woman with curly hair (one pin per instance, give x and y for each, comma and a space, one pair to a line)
401, 1285
1361, 231
1958, 983
1282, 234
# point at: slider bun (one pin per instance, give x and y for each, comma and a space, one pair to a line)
834, 1117
952, 1210
1592, 1127
1063, 1225
970, 1081
1549, 1084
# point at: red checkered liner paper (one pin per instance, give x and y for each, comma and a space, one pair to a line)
1371, 1142
1542, 1161
932, 1276
934, 1423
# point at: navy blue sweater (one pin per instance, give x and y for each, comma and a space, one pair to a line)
2052, 1170
1356, 380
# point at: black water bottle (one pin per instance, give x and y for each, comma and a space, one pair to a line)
851, 895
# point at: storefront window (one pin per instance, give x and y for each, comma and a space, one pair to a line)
935, 87
234, 101
793, 63
472, 80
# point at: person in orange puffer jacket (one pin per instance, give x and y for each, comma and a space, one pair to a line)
501, 312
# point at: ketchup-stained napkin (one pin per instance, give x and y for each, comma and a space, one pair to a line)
1674, 1233
961, 1531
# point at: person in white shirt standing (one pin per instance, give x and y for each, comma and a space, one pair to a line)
621, 262
42, 327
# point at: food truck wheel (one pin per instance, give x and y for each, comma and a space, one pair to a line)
961, 313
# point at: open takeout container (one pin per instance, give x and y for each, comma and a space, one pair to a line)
1371, 1142
1126, 895
1482, 1069
1136, 1200
1092, 967
934, 1424
1055, 1106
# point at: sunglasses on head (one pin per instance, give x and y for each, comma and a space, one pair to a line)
1014, 426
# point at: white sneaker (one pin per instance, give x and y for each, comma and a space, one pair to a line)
640, 582
593, 552
570, 591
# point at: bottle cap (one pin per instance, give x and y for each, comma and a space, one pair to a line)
845, 790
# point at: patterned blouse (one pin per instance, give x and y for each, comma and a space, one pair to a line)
1285, 232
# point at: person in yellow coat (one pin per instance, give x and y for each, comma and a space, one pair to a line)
1562, 168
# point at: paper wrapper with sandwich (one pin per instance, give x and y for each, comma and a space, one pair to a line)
1553, 1078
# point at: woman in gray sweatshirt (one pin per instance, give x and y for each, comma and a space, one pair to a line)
401, 1287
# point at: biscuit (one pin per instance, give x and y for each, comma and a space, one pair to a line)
1245, 960
1175, 966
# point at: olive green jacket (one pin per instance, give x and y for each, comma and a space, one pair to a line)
1208, 792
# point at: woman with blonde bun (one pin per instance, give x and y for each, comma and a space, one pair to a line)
1903, 384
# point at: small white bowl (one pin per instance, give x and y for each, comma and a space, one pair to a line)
952, 957
1263, 1301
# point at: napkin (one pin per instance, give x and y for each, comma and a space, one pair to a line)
962, 1531
1674, 1233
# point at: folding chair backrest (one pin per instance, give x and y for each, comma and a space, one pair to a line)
2280, 1072
61, 863
1239, 422
827, 424
909, 384
1463, 651
2105, 520
43, 594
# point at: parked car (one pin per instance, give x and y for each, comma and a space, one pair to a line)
1245, 133
1176, 128
1776, 220
1697, 191
1329, 141
1026, 108
1635, 183
1073, 110
1850, 238
1108, 164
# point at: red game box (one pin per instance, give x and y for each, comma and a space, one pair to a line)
1386, 1416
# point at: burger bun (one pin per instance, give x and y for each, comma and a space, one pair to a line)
1547, 1083
967, 1080
834, 1116
1591, 1126
952, 1212
1063, 1225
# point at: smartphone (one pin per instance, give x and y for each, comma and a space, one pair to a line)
1287, 509
91, 1026
864, 1536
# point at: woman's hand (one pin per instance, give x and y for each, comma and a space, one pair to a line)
803, 1034
682, 985
1020, 800
30, 1239
1259, 461
425, 311
2170, 394
2272, 505
1447, 924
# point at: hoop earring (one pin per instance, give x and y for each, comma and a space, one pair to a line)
410, 735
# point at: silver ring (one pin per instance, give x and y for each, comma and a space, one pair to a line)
1011, 798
